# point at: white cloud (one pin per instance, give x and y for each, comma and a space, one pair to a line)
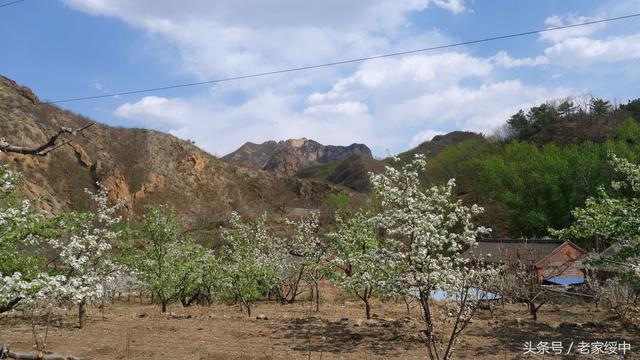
379, 104
433, 92
156, 111
349, 108
387, 81
221, 129
577, 46
386, 103
583, 51
569, 19
423, 136
455, 6
231, 37
503, 59
479, 109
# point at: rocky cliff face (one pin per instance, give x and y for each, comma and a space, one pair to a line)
139, 167
291, 156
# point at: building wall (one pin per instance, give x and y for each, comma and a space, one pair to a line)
563, 263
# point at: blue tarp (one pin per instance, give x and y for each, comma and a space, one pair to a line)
565, 280
442, 295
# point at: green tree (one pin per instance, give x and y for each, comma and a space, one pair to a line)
519, 125
566, 108
629, 132
599, 107
613, 220
165, 260
542, 116
633, 108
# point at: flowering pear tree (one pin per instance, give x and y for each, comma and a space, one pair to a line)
84, 251
360, 258
78, 244
245, 273
17, 224
198, 273
286, 269
432, 232
307, 244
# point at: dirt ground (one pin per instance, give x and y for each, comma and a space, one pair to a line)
133, 331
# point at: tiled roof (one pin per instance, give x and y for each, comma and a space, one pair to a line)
509, 251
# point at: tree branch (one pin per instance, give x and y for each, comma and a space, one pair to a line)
10, 305
45, 148
5, 353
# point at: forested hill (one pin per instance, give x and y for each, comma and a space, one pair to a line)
541, 165
530, 174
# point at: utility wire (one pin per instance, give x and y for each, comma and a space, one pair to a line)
342, 62
11, 3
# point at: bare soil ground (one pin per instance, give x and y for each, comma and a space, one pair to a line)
338, 331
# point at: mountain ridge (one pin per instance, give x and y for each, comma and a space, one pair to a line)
291, 156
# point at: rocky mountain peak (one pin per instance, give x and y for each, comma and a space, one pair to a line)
289, 157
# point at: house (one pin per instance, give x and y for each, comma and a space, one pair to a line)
552, 261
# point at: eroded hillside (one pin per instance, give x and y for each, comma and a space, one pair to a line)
138, 166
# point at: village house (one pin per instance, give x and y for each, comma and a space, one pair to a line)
553, 262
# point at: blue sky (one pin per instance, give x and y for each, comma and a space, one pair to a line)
71, 48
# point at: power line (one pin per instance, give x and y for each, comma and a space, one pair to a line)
342, 62
11, 3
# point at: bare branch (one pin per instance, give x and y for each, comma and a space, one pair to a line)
6, 353
45, 148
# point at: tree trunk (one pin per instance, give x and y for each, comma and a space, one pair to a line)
533, 310
248, 306
82, 314
430, 331
407, 304
317, 285
164, 305
296, 285
367, 308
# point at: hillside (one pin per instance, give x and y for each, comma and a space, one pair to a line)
291, 156
434, 146
139, 167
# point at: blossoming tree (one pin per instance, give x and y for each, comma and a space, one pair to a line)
77, 245
17, 223
245, 274
432, 231
307, 244
360, 258
87, 254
